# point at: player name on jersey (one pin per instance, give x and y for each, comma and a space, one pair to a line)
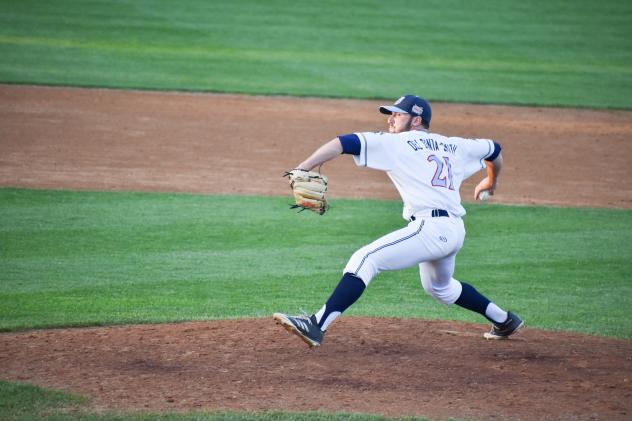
432, 144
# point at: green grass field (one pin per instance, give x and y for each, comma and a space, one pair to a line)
543, 52
82, 258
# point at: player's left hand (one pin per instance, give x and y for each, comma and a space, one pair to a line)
309, 189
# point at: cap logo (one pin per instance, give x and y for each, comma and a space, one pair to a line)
399, 100
417, 110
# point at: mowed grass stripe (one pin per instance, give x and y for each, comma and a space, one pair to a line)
94, 258
540, 53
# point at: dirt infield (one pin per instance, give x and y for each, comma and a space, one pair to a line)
122, 140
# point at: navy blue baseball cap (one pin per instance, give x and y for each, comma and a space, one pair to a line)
410, 104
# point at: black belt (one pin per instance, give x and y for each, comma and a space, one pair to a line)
435, 214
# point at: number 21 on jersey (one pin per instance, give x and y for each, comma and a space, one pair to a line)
441, 178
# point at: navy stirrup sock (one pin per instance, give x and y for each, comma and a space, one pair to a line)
349, 289
473, 300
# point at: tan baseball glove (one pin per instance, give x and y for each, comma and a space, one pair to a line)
309, 189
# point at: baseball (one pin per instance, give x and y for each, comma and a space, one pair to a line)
484, 195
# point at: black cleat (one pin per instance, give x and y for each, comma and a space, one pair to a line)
506, 329
304, 327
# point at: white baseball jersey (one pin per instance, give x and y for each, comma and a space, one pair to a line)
426, 168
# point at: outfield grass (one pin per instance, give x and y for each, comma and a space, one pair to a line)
20, 401
82, 258
544, 52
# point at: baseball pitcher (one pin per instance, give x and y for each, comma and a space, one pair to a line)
427, 170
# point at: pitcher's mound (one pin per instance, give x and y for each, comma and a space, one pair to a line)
394, 367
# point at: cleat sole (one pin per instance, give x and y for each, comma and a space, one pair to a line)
289, 326
490, 336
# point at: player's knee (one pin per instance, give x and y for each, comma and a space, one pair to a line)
446, 293
362, 266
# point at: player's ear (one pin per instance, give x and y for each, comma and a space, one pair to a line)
416, 121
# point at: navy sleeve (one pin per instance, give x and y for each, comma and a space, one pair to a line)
494, 154
350, 144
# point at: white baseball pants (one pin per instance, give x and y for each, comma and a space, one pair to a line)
431, 243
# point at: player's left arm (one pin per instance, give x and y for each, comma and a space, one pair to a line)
494, 166
372, 144
326, 152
